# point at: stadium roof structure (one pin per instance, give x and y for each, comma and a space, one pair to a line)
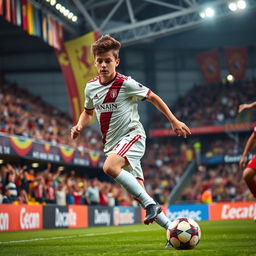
173, 25
133, 21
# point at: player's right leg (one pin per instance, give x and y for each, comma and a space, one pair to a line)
113, 167
248, 176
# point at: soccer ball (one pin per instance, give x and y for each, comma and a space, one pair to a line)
184, 233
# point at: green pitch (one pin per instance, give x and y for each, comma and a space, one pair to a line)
218, 238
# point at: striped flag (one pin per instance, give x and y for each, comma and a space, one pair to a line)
18, 12
8, 13
1, 7
45, 27
30, 18
13, 11
24, 15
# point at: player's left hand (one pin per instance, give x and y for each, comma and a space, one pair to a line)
180, 129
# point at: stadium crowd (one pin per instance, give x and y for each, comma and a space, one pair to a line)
164, 162
27, 115
214, 104
23, 185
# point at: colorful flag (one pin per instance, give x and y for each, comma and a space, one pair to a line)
30, 18
210, 66
81, 65
82, 61
8, 13
69, 78
49, 31
236, 58
24, 15
37, 22
1, 7
18, 12
13, 11
45, 27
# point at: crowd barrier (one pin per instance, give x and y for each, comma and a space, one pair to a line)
33, 217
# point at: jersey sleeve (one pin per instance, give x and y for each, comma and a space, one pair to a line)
88, 103
135, 89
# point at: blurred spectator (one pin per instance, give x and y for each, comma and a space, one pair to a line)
92, 194
7, 198
61, 194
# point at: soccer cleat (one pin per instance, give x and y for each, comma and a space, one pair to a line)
152, 211
168, 245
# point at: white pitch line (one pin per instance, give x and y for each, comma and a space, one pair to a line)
64, 237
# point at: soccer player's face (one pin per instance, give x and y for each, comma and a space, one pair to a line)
106, 64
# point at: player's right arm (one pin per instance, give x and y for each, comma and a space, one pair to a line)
248, 147
246, 106
84, 119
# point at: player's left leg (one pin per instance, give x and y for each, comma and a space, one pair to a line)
161, 220
113, 167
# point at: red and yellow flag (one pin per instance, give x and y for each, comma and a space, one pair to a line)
77, 64
210, 66
236, 58
24, 14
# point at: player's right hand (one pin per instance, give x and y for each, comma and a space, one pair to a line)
75, 131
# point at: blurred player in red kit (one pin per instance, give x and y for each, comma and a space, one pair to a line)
249, 170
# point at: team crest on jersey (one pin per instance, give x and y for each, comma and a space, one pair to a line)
113, 93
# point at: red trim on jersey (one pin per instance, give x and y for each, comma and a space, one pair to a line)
125, 148
94, 79
109, 82
149, 91
138, 178
110, 97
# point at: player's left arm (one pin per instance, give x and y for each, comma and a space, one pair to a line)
179, 127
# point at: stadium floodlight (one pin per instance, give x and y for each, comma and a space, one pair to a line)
232, 6
53, 2
70, 15
230, 78
209, 12
66, 12
74, 18
35, 165
202, 15
58, 6
1, 161
62, 9
241, 4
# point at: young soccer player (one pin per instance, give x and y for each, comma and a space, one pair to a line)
249, 171
114, 98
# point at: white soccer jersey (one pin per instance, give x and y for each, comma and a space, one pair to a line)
116, 106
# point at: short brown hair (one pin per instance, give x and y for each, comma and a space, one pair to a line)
106, 43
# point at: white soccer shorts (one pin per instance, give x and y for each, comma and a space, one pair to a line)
132, 147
